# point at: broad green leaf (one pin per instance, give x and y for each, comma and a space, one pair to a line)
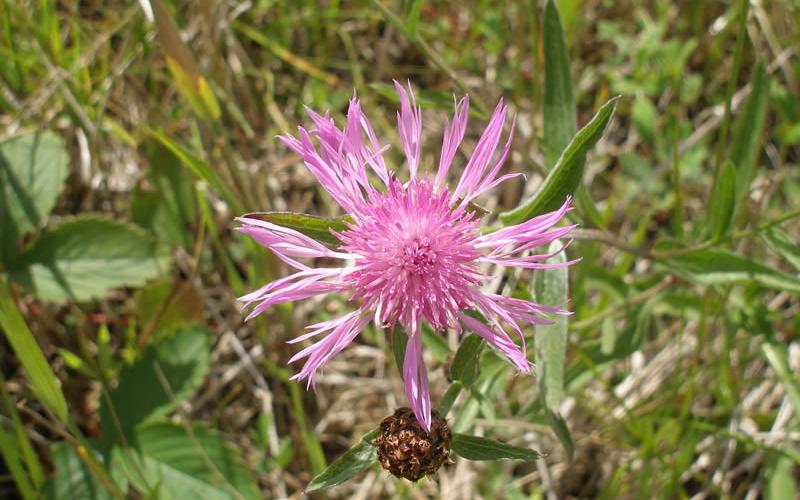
179, 464
777, 357
466, 363
200, 169
354, 460
83, 258
723, 201
72, 479
780, 243
33, 168
748, 128
480, 448
551, 288
559, 105
315, 227
717, 267
566, 176
140, 396
45, 385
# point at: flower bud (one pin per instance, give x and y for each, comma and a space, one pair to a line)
406, 450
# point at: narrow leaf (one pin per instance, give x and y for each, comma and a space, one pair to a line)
777, 357
44, 383
559, 105
723, 201
449, 397
561, 429
355, 460
399, 342
318, 228
748, 128
466, 366
480, 448
780, 243
550, 288
85, 257
566, 176
200, 169
717, 267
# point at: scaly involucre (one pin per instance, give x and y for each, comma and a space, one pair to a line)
413, 250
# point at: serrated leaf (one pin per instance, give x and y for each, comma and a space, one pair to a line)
355, 460
566, 176
780, 243
313, 226
45, 385
33, 168
748, 128
140, 396
559, 105
551, 288
466, 362
717, 267
85, 257
481, 448
723, 201
181, 465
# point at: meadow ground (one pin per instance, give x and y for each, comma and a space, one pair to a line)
134, 132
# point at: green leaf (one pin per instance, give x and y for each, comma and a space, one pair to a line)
355, 460
44, 383
180, 464
723, 201
14, 463
449, 397
717, 267
480, 448
200, 169
466, 363
561, 429
566, 176
780, 243
72, 479
777, 356
33, 168
85, 257
781, 483
748, 128
315, 227
399, 341
551, 288
559, 105
140, 396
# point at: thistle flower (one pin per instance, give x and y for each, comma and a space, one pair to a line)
412, 251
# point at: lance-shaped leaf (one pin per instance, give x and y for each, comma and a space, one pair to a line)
559, 105
313, 226
566, 176
723, 201
748, 128
355, 460
481, 448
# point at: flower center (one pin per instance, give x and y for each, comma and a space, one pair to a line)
416, 255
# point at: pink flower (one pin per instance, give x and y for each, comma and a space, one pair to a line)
413, 250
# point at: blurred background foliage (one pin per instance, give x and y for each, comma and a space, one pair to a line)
133, 133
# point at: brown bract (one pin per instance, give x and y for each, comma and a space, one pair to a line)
406, 450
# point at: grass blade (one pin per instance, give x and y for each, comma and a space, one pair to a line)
45, 386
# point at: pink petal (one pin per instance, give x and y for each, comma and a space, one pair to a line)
500, 341
453, 135
415, 378
409, 124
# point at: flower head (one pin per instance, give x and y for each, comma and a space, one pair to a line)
412, 251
